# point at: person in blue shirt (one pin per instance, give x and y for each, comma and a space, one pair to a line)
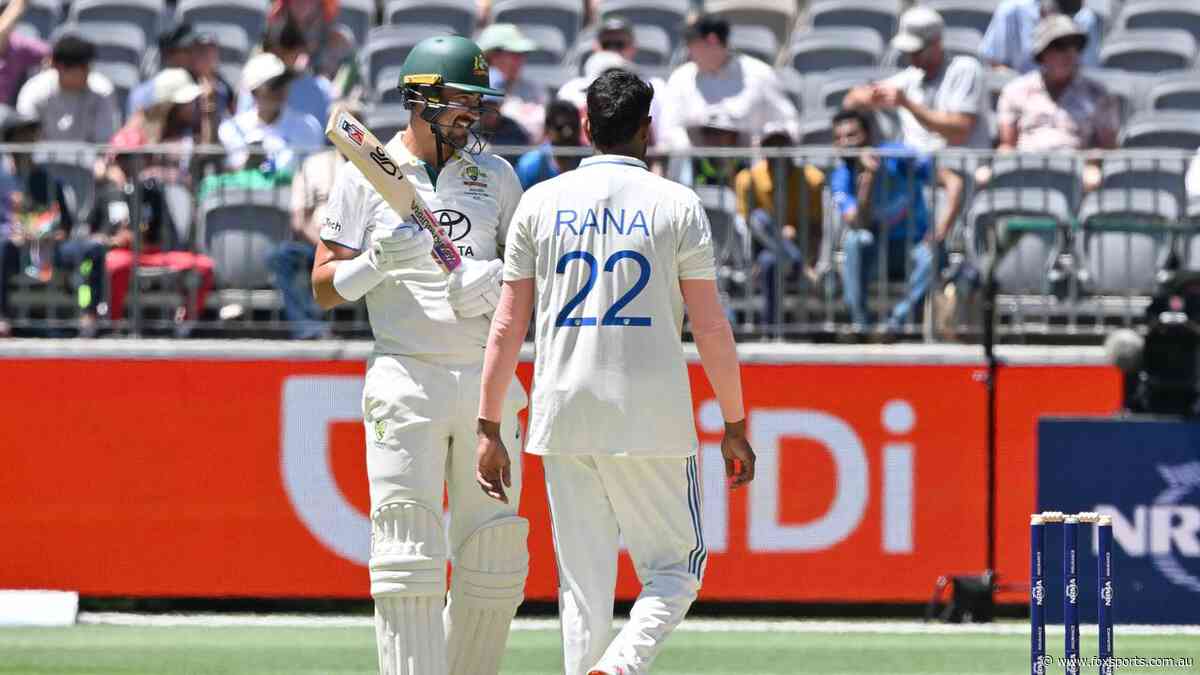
562, 130
1008, 43
879, 192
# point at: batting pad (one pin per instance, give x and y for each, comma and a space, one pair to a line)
487, 587
408, 579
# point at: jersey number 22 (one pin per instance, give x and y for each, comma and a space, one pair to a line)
611, 317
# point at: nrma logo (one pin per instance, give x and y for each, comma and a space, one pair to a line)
1073, 592
1039, 593
1107, 594
1168, 530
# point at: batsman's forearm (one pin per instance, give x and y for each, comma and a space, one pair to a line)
509, 326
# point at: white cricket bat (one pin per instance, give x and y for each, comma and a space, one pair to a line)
365, 151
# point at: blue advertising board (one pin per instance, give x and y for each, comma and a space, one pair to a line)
1145, 473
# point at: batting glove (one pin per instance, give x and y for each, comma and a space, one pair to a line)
399, 249
474, 288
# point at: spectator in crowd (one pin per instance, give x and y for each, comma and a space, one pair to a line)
776, 234
746, 88
1056, 107
327, 41
172, 119
614, 50
177, 48
307, 93
270, 135
1008, 43
717, 129
498, 129
881, 197
940, 103
72, 102
1192, 180
562, 131
287, 259
20, 55
505, 48
206, 58
36, 210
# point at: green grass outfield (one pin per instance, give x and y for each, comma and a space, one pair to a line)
702, 647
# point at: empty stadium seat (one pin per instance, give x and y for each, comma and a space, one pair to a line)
551, 46
249, 15
1129, 87
754, 40
124, 77
1147, 50
233, 44
386, 120
238, 228
358, 16
458, 14
975, 14
1153, 129
878, 15
43, 15
731, 243
565, 15
1124, 232
824, 49
668, 15
1175, 92
1029, 250
1058, 174
1161, 14
775, 15
794, 86
147, 15
653, 45
388, 46
825, 90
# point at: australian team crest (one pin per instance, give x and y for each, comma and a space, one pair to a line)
352, 131
473, 176
481, 65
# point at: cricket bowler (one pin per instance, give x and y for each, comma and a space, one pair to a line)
610, 255
420, 396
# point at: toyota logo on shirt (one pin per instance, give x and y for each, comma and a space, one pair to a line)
456, 223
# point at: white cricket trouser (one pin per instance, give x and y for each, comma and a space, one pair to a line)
420, 420
653, 503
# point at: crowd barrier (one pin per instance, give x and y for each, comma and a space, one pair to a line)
198, 468
1076, 243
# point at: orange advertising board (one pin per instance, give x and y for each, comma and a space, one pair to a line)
247, 478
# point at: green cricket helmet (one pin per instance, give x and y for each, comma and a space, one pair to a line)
447, 61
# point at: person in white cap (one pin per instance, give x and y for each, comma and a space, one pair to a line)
941, 102
505, 47
269, 130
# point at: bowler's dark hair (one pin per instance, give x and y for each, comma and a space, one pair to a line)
846, 114
617, 104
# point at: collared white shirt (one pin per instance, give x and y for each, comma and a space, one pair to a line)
958, 88
285, 141
747, 89
608, 244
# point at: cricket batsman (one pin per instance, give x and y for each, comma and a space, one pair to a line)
420, 397
610, 255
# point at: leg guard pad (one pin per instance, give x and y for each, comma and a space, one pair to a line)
487, 587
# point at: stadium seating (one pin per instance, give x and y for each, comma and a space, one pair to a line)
386, 120
124, 77
1175, 92
1124, 232
147, 15
776, 15
825, 49
232, 42
975, 14
825, 90
458, 14
1148, 50
1029, 250
114, 42
565, 15
878, 15
1058, 174
388, 46
43, 16
249, 15
668, 15
755, 40
358, 16
237, 228
1153, 129
731, 241
1129, 87
1161, 14
955, 41
653, 45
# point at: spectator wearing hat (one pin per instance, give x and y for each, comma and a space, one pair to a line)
505, 48
72, 102
715, 129
1056, 107
1008, 43
35, 205
307, 92
776, 234
170, 119
20, 55
270, 134
940, 102
562, 131
746, 88
177, 48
